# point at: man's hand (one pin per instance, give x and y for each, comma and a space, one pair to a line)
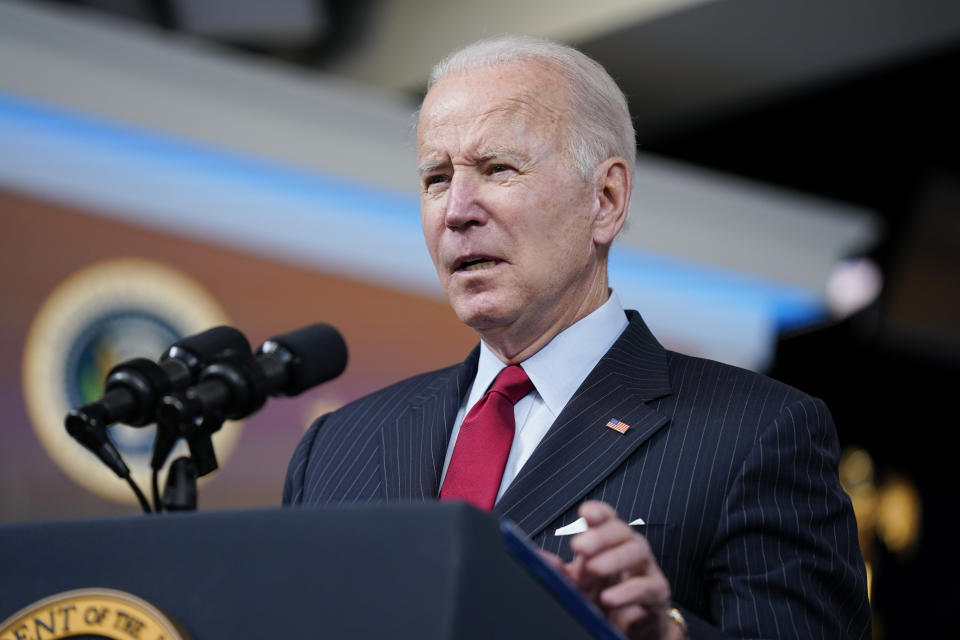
615, 569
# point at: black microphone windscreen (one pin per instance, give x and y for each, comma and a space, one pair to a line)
207, 345
318, 354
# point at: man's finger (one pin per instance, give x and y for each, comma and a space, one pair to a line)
596, 512
608, 533
587, 583
633, 557
651, 592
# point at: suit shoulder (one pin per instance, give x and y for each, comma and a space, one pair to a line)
348, 434
726, 378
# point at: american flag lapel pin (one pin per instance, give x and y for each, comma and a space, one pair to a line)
618, 425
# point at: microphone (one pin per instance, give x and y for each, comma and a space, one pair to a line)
233, 388
133, 390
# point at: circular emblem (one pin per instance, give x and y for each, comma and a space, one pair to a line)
90, 613
98, 317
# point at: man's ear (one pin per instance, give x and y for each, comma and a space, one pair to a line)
613, 197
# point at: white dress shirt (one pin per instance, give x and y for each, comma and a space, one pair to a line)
557, 371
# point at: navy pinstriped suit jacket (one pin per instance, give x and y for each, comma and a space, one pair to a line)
734, 474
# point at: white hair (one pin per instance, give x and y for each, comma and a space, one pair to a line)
601, 127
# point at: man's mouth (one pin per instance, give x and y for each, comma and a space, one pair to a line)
476, 264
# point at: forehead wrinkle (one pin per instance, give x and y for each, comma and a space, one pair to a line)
521, 107
492, 134
478, 131
501, 152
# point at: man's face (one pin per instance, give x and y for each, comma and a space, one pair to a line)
506, 215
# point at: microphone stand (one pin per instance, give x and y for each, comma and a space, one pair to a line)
180, 490
199, 440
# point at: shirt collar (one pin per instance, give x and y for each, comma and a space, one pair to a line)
560, 367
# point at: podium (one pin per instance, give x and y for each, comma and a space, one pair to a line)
424, 571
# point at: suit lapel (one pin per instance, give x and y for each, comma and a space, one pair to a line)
580, 451
414, 446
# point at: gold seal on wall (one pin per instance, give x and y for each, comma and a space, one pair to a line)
100, 316
90, 613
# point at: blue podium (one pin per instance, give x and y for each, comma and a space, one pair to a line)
424, 571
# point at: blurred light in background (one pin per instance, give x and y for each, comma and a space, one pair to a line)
852, 285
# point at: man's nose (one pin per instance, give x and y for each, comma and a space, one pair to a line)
463, 202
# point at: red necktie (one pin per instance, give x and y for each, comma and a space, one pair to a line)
483, 444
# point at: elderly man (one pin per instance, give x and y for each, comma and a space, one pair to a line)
702, 499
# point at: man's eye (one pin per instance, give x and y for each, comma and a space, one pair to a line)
498, 168
435, 179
